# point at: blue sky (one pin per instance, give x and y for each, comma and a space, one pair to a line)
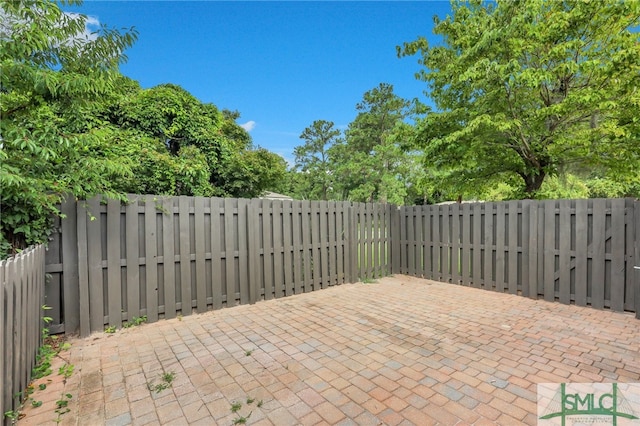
282, 65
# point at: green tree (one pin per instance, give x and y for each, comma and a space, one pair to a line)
312, 159
200, 139
530, 89
50, 73
370, 164
251, 172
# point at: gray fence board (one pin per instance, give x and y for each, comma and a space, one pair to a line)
617, 250
278, 272
151, 260
376, 229
500, 255
524, 228
216, 253
324, 245
582, 241
70, 266
83, 273
445, 246
476, 271
10, 276
253, 227
168, 259
330, 250
598, 255
564, 255
297, 251
630, 272
132, 258
455, 244
243, 251
412, 247
229, 253
533, 251
268, 244
21, 326
94, 261
314, 246
513, 243
341, 238
488, 261
549, 252
436, 259
53, 290
307, 244
287, 234
466, 245
114, 283
403, 243
200, 264
184, 256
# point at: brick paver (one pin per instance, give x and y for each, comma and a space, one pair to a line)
400, 351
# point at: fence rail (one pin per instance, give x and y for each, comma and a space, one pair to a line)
164, 256
22, 283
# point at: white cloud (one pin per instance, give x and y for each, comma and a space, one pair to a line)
91, 26
249, 125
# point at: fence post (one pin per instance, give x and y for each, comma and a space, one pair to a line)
533, 248
253, 222
394, 232
353, 244
83, 271
70, 265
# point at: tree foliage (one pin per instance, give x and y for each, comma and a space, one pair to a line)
530, 89
370, 164
197, 139
313, 162
72, 125
51, 72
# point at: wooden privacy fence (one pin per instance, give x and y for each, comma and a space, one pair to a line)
22, 283
572, 251
160, 257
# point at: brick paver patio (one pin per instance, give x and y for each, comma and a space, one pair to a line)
400, 351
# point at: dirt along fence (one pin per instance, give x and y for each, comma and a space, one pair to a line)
159, 257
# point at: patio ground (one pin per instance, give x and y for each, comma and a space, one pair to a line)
400, 351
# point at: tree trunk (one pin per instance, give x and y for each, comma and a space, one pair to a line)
533, 182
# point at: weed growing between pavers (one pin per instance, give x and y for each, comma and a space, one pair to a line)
135, 321
52, 346
166, 382
236, 406
62, 406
